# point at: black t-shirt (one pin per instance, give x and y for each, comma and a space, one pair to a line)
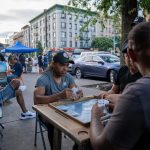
17, 69
124, 77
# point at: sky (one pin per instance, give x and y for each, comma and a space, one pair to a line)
14, 14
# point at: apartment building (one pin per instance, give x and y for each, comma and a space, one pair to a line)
26, 35
56, 28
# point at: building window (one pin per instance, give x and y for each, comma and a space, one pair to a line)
63, 15
54, 43
40, 22
54, 25
49, 17
63, 25
70, 34
75, 26
70, 25
70, 43
70, 16
76, 44
81, 44
63, 43
49, 27
54, 16
63, 34
76, 17
54, 34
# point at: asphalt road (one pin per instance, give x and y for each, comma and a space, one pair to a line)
19, 134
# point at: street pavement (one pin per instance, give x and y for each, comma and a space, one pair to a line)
19, 134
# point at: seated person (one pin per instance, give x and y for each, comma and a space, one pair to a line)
129, 125
127, 74
3, 65
12, 90
16, 69
55, 84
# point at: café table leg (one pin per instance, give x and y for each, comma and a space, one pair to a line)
85, 146
57, 139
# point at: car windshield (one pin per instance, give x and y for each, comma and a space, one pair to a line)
74, 57
110, 58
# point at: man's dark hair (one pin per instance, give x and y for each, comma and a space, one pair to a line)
140, 36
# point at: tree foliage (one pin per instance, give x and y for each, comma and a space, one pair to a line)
124, 10
39, 46
102, 43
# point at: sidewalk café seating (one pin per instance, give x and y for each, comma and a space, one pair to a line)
41, 127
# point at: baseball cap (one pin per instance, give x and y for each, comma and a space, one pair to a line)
137, 20
62, 57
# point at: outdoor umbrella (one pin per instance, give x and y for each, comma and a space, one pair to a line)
18, 47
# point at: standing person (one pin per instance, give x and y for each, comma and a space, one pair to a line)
22, 60
16, 69
40, 63
45, 61
55, 84
129, 126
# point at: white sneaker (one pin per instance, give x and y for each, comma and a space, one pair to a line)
27, 115
23, 87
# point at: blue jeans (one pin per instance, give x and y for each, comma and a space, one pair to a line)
10, 77
7, 93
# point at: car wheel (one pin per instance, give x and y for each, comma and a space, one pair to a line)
112, 76
78, 73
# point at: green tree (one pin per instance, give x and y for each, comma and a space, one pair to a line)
102, 43
39, 46
126, 10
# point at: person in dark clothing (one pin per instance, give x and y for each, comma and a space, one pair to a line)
45, 61
22, 60
129, 126
2, 57
40, 63
126, 74
16, 70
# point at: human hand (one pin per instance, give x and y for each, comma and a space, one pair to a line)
66, 94
15, 84
77, 93
97, 111
102, 95
112, 98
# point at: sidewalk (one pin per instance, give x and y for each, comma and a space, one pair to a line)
19, 134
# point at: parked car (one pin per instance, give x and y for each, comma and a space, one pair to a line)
93, 53
100, 65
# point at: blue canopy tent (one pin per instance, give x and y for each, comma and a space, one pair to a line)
18, 47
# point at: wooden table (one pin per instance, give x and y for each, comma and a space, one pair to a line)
76, 131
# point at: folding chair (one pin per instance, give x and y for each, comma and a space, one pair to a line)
1, 117
3, 79
41, 126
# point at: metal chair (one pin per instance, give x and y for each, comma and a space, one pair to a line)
41, 126
3, 79
1, 117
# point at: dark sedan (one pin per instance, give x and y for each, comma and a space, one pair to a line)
101, 65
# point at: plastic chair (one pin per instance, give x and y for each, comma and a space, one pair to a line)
41, 125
